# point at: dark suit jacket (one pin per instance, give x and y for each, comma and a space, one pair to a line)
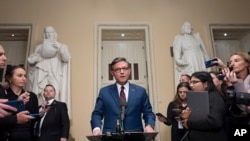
108, 107
176, 133
56, 122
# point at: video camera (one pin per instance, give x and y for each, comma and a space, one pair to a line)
237, 98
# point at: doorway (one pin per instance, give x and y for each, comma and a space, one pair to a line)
15, 38
125, 40
229, 38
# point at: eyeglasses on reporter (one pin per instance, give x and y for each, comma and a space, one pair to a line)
195, 81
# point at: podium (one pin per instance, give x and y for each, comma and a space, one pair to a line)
126, 136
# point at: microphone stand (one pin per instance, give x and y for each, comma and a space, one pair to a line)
118, 126
119, 129
121, 126
119, 123
122, 116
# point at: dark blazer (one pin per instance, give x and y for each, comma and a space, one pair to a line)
23, 131
211, 128
108, 107
56, 122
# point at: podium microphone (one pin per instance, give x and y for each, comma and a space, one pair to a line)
123, 108
122, 115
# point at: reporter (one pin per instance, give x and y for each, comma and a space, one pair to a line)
179, 102
16, 77
4, 109
238, 75
211, 127
7, 120
219, 83
184, 78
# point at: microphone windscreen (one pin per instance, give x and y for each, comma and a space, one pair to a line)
124, 103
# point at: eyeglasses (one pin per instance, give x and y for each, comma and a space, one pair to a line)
121, 69
194, 81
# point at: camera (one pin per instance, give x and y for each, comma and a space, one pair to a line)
211, 63
237, 98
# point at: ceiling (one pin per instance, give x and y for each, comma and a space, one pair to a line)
129, 34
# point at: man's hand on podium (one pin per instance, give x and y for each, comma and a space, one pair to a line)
149, 129
97, 132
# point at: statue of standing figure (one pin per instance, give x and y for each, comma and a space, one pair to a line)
50, 64
189, 52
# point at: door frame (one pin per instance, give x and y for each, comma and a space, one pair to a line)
218, 26
149, 56
27, 26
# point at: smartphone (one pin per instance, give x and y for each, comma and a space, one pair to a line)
160, 115
18, 104
221, 76
177, 110
36, 115
211, 63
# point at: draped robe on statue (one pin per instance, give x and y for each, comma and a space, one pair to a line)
189, 55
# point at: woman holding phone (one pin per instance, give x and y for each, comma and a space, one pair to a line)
16, 77
174, 108
237, 72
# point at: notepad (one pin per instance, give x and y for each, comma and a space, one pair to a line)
198, 102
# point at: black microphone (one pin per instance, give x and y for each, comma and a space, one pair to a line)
123, 108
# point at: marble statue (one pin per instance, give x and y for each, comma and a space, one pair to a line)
50, 64
189, 52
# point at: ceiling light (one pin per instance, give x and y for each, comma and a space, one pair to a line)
225, 34
13, 35
122, 34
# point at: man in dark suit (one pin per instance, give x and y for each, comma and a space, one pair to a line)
54, 125
108, 104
